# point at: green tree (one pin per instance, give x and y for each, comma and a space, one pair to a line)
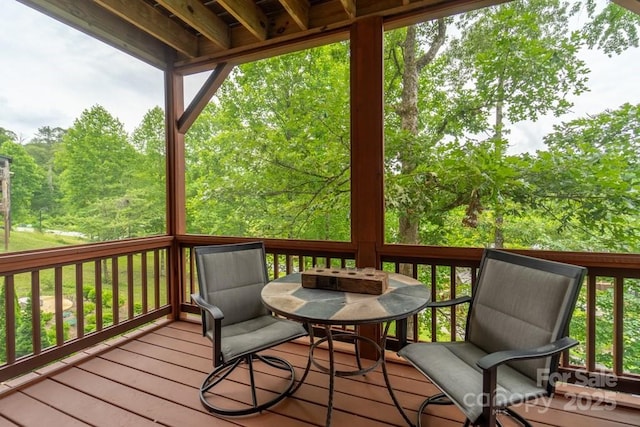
588, 180
271, 156
46, 202
148, 197
96, 163
7, 135
612, 28
506, 64
524, 63
26, 180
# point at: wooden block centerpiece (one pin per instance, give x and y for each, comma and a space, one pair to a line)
364, 281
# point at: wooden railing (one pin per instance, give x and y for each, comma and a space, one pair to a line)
116, 286
55, 302
452, 272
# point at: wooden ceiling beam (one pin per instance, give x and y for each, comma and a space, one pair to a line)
93, 20
299, 11
203, 20
632, 5
150, 20
349, 7
249, 15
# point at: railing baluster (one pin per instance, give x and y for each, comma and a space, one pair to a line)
144, 282
130, 285
10, 322
276, 265
434, 297
452, 295
115, 282
58, 306
618, 325
35, 312
98, 289
591, 324
156, 277
79, 300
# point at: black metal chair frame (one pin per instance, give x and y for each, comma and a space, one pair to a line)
489, 364
222, 369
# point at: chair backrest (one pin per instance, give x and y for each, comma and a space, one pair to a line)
231, 277
522, 302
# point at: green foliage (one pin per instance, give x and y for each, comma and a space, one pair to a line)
24, 343
147, 199
107, 298
26, 179
96, 163
7, 135
503, 65
588, 180
612, 29
42, 148
271, 156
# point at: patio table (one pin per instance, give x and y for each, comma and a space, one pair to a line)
404, 297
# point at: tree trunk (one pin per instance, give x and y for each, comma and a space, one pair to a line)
499, 151
408, 111
409, 216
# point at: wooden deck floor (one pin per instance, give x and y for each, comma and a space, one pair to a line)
154, 379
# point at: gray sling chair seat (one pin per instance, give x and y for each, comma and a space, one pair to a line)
230, 278
517, 326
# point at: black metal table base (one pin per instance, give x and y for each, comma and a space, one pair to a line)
333, 372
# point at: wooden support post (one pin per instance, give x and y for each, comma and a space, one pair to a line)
176, 212
367, 149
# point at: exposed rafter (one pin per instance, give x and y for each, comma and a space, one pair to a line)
198, 16
349, 7
299, 11
150, 20
249, 15
191, 36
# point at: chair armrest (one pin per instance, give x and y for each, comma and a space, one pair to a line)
499, 357
449, 302
213, 310
217, 316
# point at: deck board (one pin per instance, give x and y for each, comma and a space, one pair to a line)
154, 379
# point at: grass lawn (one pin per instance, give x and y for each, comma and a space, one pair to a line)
25, 241
21, 241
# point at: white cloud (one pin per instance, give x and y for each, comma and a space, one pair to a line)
50, 73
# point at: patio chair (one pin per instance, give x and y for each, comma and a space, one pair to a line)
517, 326
230, 279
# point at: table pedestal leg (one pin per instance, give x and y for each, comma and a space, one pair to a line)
386, 378
332, 372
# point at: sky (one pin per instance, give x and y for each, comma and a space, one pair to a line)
50, 73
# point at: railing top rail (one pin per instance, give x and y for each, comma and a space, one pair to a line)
598, 261
280, 246
17, 262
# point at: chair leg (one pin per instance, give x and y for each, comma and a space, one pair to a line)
517, 417
222, 372
436, 399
